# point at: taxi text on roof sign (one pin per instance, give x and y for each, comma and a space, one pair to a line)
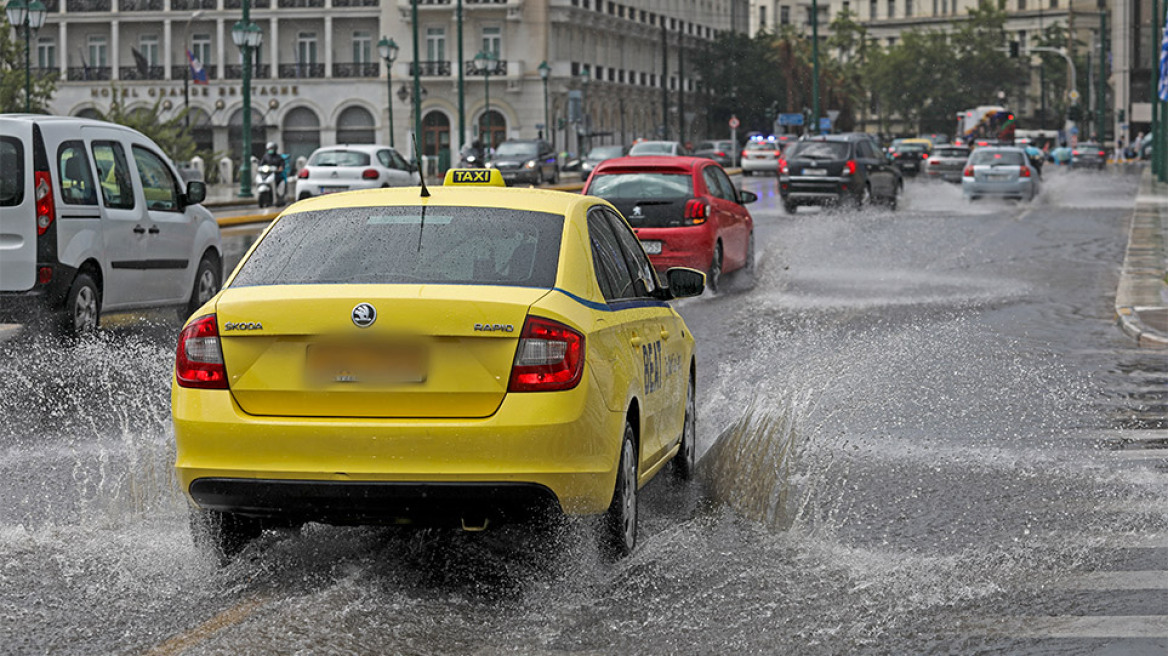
485, 177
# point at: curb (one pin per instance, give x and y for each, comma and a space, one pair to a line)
1142, 289
228, 221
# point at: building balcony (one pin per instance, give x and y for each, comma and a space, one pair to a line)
87, 5
235, 71
356, 69
191, 5
140, 5
88, 73
255, 4
52, 6
291, 4
309, 71
494, 67
147, 73
356, 3
179, 71
431, 68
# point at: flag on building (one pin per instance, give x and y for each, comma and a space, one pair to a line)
84, 65
141, 64
198, 73
1162, 91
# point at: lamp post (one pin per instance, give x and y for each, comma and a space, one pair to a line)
544, 72
388, 50
417, 86
486, 59
30, 16
815, 66
187, 77
247, 36
585, 78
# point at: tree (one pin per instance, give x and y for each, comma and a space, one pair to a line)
740, 75
171, 134
43, 84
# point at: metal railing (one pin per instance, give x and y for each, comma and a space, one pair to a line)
255, 4
87, 73
235, 71
140, 5
287, 4
147, 73
191, 5
87, 5
431, 68
179, 71
365, 69
356, 3
301, 71
476, 67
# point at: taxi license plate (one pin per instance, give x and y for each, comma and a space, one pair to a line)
814, 171
332, 190
373, 363
652, 247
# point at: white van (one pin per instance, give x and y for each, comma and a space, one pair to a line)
94, 218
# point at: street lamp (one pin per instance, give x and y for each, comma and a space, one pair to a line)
544, 72
247, 36
487, 57
585, 79
30, 16
388, 50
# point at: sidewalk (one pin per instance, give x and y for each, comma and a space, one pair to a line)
1141, 301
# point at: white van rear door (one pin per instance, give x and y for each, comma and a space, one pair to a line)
18, 238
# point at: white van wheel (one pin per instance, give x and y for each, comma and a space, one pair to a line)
82, 310
207, 283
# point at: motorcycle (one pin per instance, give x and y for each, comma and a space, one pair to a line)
471, 158
271, 184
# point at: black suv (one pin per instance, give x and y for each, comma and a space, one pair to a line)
840, 168
529, 161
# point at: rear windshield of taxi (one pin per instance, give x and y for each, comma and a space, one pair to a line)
339, 158
642, 186
404, 245
997, 158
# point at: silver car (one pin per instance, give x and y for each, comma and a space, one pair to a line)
999, 171
344, 168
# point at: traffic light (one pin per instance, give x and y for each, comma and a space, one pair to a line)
1014, 48
1122, 115
1074, 113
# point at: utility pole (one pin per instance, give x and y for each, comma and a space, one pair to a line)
681, 89
664, 80
1101, 94
1155, 86
461, 81
417, 89
815, 66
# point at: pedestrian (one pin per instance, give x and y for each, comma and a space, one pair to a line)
1120, 155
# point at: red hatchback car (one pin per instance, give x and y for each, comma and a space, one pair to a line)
684, 209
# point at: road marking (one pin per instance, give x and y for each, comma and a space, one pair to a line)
1072, 626
1118, 580
228, 618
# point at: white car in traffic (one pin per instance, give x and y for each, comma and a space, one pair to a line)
344, 168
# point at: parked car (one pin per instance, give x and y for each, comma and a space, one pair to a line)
1001, 171
94, 218
530, 161
685, 210
947, 163
1088, 155
845, 168
722, 152
345, 168
643, 148
598, 155
761, 156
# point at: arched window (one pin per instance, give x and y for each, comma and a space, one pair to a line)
435, 138
492, 129
301, 133
355, 126
235, 134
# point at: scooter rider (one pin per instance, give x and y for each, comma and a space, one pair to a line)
272, 157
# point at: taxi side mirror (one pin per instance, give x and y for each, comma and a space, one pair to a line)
684, 282
746, 197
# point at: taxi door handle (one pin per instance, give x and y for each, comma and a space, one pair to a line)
635, 341
664, 334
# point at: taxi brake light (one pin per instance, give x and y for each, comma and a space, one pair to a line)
369, 174
303, 174
550, 357
199, 359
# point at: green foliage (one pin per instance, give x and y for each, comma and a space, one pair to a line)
12, 60
171, 134
741, 80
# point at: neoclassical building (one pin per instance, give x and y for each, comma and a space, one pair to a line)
617, 70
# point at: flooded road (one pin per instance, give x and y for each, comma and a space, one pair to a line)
920, 432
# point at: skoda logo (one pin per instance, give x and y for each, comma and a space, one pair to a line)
364, 315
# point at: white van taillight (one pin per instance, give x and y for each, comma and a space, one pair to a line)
550, 357
45, 210
199, 360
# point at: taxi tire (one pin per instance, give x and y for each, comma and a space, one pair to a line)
618, 527
222, 534
81, 314
208, 282
685, 462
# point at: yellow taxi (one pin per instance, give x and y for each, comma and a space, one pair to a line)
459, 356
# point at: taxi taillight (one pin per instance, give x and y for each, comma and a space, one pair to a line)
199, 360
550, 357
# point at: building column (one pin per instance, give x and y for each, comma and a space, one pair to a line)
328, 46
274, 44
220, 51
63, 40
167, 55
115, 46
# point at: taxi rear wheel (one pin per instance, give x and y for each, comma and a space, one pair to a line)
618, 535
222, 534
685, 461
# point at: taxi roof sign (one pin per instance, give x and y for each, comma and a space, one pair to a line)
474, 177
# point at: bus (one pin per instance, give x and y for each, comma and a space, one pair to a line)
985, 123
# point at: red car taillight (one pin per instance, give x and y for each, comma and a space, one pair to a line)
784, 169
199, 360
720, 154
45, 209
303, 174
968, 172
850, 167
1103, 153
369, 174
696, 211
744, 154
1075, 153
550, 357
1023, 172
924, 156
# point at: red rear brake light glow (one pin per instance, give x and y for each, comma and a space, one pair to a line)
1074, 152
1102, 153
850, 167
1023, 172
199, 360
696, 211
924, 156
784, 169
303, 173
550, 357
46, 211
968, 172
369, 174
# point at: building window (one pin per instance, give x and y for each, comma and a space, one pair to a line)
846, 6
1022, 41
435, 44
148, 46
362, 47
493, 41
908, 8
46, 52
1054, 4
98, 51
892, 8
306, 48
201, 48
872, 10
785, 15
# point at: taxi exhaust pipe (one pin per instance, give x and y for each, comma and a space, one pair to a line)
476, 526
